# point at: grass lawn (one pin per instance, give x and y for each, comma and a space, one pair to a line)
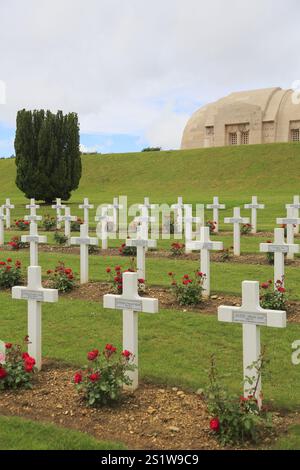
291, 441
21, 434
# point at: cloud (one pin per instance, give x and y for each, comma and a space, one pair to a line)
138, 67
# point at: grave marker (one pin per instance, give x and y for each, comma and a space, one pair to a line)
33, 207
254, 206
8, 206
178, 210
205, 245
58, 206
290, 221
103, 221
35, 294
141, 245
296, 207
67, 219
86, 206
189, 220
131, 303
84, 241
2, 218
34, 239
115, 206
2, 352
252, 316
216, 206
236, 220
279, 248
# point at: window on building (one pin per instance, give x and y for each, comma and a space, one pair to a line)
233, 140
295, 135
245, 138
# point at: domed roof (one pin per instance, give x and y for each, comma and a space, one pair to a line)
269, 104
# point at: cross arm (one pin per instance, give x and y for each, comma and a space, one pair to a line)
39, 295
138, 304
198, 245
140, 242
273, 248
261, 317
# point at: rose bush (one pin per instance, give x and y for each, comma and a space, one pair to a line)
177, 249
102, 380
273, 299
18, 370
10, 273
60, 238
16, 244
22, 224
189, 290
246, 229
49, 223
61, 278
116, 279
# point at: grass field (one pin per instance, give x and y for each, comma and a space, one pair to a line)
271, 172
175, 346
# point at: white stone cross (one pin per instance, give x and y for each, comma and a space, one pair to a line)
84, 241
115, 206
296, 207
236, 220
178, 209
131, 303
35, 294
290, 221
34, 239
205, 245
279, 248
254, 206
8, 206
86, 206
216, 206
67, 219
103, 220
33, 207
58, 206
2, 218
252, 316
188, 224
144, 220
141, 245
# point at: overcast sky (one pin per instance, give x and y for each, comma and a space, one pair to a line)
135, 70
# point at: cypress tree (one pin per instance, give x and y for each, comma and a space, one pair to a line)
47, 154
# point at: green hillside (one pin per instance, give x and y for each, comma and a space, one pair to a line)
234, 174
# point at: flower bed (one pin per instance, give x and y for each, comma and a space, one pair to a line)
189, 290
61, 278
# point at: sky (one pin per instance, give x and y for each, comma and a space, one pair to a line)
135, 70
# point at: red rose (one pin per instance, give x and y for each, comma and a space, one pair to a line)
281, 290
186, 282
186, 276
30, 360
2, 263
8, 345
92, 355
8, 267
25, 355
3, 373
110, 347
141, 281
78, 377
170, 274
94, 377
108, 270
199, 274
126, 354
118, 268
265, 285
49, 271
9, 260
28, 367
214, 424
68, 271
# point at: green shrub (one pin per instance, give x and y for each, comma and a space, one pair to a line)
188, 291
18, 369
10, 274
61, 278
60, 238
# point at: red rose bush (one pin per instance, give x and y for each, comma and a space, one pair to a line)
188, 291
61, 278
102, 381
273, 298
18, 369
10, 273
